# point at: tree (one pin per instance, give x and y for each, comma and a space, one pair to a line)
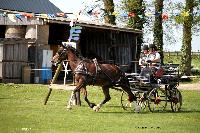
187, 38
135, 8
109, 9
136, 19
158, 29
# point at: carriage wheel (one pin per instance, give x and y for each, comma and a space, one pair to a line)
176, 100
157, 100
126, 105
141, 102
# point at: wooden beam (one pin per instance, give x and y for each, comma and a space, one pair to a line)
22, 21
99, 26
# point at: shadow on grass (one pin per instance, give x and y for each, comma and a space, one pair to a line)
146, 111
7, 98
185, 111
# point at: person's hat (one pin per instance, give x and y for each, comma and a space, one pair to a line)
145, 47
152, 46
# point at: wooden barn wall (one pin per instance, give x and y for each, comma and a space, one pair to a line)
95, 44
58, 33
13, 56
2, 31
111, 47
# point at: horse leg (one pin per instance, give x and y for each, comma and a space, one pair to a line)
106, 99
91, 105
81, 86
73, 94
77, 98
70, 102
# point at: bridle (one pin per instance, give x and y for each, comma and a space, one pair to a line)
62, 53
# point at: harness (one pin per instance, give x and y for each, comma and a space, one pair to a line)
98, 69
82, 69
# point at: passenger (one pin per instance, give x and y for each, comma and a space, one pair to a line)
155, 61
154, 56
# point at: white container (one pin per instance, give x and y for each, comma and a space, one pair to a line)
36, 80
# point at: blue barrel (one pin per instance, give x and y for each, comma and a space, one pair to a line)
46, 75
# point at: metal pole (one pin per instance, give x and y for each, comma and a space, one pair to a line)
52, 82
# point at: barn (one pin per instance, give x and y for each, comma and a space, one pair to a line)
28, 43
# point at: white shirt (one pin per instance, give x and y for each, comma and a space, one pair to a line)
155, 56
143, 59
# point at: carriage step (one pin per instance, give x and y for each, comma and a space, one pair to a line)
132, 74
133, 81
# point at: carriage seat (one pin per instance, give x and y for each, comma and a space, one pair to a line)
166, 79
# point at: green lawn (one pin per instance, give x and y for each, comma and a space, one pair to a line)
22, 110
176, 59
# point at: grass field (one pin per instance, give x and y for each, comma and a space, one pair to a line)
176, 59
22, 110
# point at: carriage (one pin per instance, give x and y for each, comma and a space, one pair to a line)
154, 92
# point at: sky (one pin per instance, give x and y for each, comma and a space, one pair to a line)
74, 6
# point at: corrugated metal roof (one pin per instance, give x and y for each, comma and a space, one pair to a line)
61, 20
34, 6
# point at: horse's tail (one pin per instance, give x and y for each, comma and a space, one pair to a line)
124, 79
122, 82
126, 86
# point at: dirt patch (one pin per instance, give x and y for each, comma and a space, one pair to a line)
193, 86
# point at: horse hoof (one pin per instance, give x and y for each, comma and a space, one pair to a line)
96, 108
69, 107
92, 105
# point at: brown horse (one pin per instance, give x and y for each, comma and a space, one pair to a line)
90, 72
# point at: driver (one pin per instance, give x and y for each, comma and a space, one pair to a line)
144, 57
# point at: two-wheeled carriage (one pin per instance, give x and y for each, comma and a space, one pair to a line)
154, 91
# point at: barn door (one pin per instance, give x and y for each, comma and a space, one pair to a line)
13, 56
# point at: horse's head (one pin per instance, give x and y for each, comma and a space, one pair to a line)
67, 52
60, 55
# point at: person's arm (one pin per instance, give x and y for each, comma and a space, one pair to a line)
140, 62
157, 58
141, 59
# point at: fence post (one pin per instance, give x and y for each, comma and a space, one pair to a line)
53, 81
169, 54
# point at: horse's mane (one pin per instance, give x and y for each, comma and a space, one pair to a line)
76, 52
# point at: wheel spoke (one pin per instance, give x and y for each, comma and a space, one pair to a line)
176, 100
137, 106
126, 105
157, 100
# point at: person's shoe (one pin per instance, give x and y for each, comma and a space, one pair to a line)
137, 107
